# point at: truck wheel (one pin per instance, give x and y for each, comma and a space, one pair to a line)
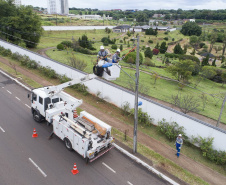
68, 144
37, 116
87, 160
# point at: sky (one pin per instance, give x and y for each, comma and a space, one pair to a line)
136, 4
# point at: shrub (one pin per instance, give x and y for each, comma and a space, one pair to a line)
170, 130
16, 56
105, 43
201, 45
114, 46
84, 50
133, 56
155, 51
81, 88
219, 157
108, 40
60, 47
142, 40
173, 39
47, 71
150, 41
143, 117
148, 62
166, 38
125, 107
6, 52
121, 41
67, 43
32, 64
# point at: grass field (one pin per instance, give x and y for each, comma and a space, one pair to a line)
163, 89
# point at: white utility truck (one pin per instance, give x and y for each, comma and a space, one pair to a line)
85, 134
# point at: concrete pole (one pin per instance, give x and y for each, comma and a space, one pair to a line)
222, 108
136, 100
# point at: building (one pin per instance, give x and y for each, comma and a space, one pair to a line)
158, 16
122, 28
58, 7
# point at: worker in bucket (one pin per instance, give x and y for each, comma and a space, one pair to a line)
116, 58
102, 54
178, 143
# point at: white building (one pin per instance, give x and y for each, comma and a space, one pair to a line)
58, 7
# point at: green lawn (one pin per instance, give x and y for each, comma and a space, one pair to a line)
163, 89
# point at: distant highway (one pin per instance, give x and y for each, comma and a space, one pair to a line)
69, 28
34, 161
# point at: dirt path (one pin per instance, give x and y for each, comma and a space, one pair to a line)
43, 51
194, 167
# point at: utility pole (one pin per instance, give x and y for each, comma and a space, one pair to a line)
222, 108
136, 100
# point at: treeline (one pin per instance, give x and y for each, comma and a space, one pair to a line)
145, 15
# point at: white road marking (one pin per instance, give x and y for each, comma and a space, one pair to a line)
3, 87
42, 172
17, 98
9, 92
28, 106
129, 183
109, 167
2, 129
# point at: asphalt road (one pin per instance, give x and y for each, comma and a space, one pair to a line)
25, 160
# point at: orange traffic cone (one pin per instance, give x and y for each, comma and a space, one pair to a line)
75, 170
34, 133
75, 115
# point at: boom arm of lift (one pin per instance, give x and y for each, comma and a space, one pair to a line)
54, 90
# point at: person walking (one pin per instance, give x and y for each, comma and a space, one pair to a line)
178, 143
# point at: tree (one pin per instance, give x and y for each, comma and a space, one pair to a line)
191, 28
213, 38
157, 46
163, 48
185, 49
20, 23
148, 53
224, 47
209, 72
194, 41
149, 31
107, 30
186, 103
121, 47
205, 61
193, 52
219, 48
178, 50
214, 62
223, 78
182, 70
